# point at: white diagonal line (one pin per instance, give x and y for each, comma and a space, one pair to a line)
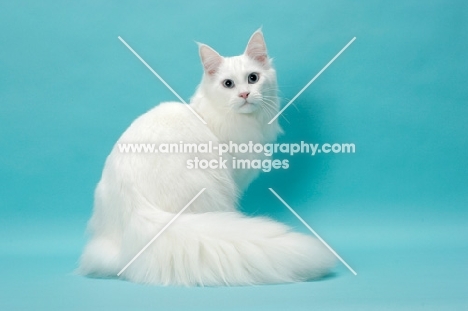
161, 79
313, 231
311, 81
160, 232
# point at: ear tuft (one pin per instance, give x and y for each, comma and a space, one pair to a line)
256, 48
211, 60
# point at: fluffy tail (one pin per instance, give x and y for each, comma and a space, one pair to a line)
219, 248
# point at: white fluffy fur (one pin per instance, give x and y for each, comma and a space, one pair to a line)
210, 243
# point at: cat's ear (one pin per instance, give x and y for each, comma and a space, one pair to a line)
256, 48
211, 60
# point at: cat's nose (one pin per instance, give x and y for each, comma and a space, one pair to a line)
244, 95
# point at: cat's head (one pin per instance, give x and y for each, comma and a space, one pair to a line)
244, 84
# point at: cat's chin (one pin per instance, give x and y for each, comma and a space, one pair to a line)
247, 108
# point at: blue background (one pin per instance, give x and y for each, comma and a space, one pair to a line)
396, 210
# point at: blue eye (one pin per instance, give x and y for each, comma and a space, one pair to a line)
228, 83
253, 78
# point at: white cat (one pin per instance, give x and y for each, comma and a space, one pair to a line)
211, 243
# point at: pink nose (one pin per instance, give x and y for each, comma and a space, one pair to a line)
244, 95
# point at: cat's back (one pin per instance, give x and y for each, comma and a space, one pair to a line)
167, 122
138, 170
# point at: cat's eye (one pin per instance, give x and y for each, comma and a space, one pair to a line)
228, 83
253, 78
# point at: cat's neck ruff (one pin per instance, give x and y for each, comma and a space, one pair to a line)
233, 126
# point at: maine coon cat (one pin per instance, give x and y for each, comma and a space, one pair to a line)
211, 243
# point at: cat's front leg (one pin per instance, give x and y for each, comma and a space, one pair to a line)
245, 169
